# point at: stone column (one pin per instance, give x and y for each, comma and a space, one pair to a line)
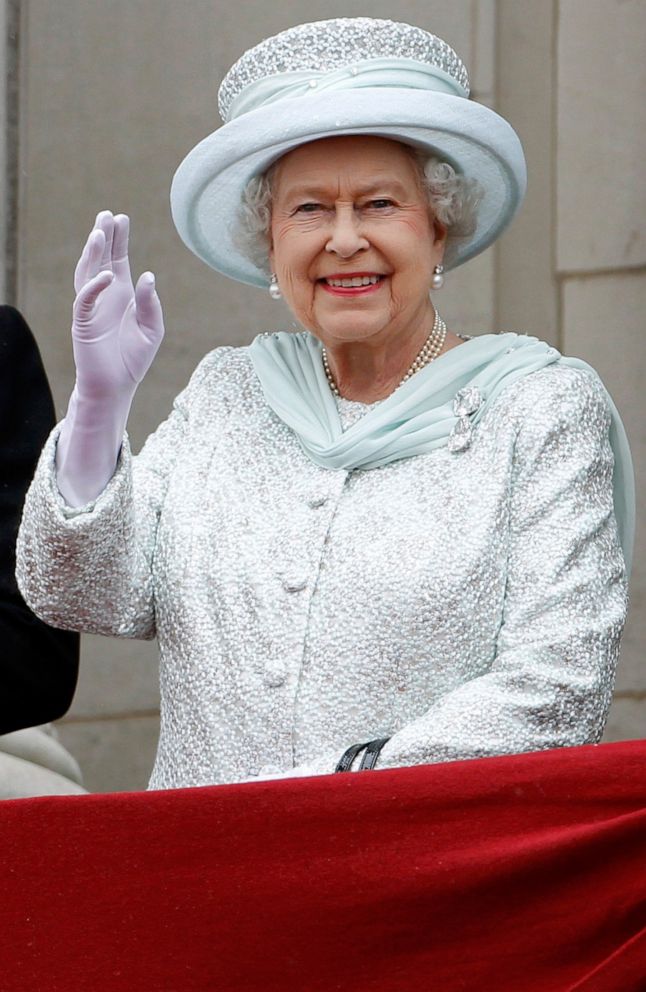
601, 253
572, 269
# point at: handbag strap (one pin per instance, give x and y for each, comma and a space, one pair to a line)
348, 757
369, 759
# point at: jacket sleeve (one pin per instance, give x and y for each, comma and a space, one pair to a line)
90, 568
550, 683
39, 666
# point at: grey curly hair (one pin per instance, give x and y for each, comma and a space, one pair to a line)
452, 198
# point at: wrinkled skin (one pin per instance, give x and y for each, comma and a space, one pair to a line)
348, 205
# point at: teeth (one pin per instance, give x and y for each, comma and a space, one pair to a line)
356, 281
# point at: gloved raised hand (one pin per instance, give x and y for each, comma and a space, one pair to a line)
116, 331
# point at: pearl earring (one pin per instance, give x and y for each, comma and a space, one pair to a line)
274, 288
438, 277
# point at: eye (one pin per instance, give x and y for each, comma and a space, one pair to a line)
308, 208
381, 204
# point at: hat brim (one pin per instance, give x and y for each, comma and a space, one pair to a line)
207, 188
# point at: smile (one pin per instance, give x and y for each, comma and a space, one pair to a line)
351, 285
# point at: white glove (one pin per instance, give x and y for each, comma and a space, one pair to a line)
116, 331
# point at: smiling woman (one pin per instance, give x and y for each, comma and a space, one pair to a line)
344, 211
373, 541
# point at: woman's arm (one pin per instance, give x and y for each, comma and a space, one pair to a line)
550, 684
89, 568
83, 550
117, 328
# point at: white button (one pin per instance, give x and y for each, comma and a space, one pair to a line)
295, 583
317, 501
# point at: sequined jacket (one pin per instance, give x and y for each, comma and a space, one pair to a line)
463, 603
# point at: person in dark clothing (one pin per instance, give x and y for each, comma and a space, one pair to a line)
38, 664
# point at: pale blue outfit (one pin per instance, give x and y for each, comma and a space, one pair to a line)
447, 568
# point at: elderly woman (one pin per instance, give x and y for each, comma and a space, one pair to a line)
372, 543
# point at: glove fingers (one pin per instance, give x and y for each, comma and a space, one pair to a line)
120, 261
105, 222
84, 304
148, 307
89, 264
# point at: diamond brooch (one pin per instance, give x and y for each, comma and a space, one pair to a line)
465, 402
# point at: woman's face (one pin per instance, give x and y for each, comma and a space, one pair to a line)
351, 208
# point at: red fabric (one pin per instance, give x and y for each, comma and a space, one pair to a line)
517, 874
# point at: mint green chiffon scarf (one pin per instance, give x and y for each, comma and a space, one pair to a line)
418, 416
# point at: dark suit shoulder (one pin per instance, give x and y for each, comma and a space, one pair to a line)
15, 333
26, 404
38, 665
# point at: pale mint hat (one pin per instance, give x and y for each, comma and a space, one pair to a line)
343, 76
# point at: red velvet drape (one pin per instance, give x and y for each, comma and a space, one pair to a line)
524, 873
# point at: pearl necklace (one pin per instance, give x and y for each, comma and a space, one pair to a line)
430, 350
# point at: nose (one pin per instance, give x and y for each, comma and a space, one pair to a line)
346, 238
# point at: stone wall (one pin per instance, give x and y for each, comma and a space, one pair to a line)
113, 95
600, 253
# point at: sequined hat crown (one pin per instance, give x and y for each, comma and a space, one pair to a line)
345, 76
344, 42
